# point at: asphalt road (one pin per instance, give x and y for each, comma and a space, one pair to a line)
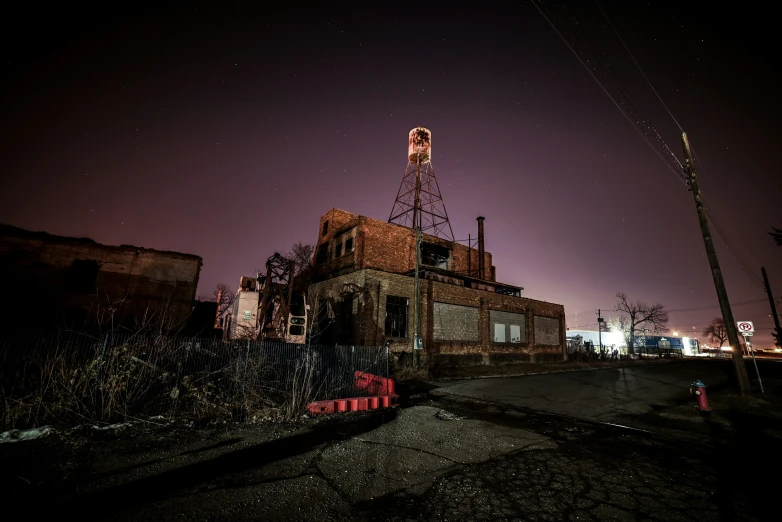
606, 394
617, 444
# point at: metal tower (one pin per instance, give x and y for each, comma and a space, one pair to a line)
419, 204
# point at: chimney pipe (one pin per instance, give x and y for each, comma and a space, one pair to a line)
480, 248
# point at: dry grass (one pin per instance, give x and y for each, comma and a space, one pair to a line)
65, 385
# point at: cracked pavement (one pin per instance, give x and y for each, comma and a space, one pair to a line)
610, 444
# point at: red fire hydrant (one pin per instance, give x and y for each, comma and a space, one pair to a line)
698, 388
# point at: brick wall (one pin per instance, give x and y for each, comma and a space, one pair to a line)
388, 247
370, 315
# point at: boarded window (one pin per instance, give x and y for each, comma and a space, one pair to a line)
456, 323
514, 326
499, 333
546, 331
396, 316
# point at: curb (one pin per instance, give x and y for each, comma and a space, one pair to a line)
570, 370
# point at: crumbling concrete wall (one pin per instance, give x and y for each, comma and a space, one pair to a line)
77, 282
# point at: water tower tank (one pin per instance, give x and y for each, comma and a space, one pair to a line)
419, 144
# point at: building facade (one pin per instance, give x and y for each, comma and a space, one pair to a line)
365, 288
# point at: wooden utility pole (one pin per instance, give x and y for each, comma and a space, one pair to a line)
772, 304
719, 283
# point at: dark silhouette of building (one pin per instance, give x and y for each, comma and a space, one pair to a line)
55, 281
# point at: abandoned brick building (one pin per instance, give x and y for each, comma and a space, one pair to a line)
77, 283
364, 289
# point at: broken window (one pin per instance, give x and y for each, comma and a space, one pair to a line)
325, 228
435, 255
344, 320
297, 305
338, 250
509, 327
82, 276
396, 316
323, 254
515, 333
349, 245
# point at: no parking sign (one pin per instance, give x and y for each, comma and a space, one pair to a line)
746, 328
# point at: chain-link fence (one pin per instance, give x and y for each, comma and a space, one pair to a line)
68, 378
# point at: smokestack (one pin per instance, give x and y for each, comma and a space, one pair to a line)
480, 247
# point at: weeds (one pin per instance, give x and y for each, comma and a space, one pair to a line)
67, 379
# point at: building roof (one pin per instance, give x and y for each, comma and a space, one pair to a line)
12, 231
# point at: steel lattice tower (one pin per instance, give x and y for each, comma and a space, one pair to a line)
419, 203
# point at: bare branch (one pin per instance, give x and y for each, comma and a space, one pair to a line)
639, 319
302, 255
224, 296
716, 332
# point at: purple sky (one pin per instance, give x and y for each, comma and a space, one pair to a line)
226, 132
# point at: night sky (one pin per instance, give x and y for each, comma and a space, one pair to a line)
225, 130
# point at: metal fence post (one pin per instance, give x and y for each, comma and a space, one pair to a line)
99, 391
387, 373
244, 377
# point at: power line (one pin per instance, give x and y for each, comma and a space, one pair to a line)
630, 109
713, 307
638, 66
634, 124
753, 277
720, 231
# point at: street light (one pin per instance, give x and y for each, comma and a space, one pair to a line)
675, 334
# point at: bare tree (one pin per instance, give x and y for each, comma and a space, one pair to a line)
224, 296
302, 255
639, 319
716, 332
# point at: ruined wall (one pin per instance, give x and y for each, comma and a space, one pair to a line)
391, 248
68, 280
447, 321
384, 246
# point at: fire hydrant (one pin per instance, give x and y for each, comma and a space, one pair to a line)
698, 388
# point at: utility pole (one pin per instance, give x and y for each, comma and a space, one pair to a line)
772, 304
417, 343
719, 283
600, 330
